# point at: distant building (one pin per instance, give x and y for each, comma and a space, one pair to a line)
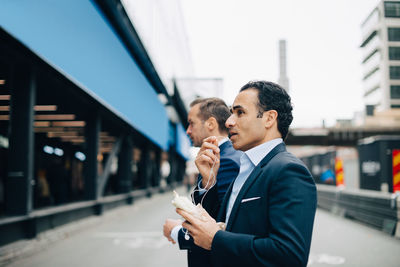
192, 88
162, 29
283, 78
381, 63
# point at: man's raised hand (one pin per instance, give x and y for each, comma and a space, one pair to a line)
208, 159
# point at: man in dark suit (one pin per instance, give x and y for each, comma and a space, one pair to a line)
207, 118
269, 209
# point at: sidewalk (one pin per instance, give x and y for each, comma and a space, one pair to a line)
128, 235
132, 236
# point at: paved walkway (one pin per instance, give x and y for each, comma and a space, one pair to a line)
132, 236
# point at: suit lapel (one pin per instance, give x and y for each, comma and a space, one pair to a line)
222, 211
250, 180
252, 177
224, 146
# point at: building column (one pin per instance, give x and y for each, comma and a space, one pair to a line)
92, 131
124, 166
21, 143
157, 167
180, 169
146, 165
172, 158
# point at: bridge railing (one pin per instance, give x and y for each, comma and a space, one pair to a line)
380, 210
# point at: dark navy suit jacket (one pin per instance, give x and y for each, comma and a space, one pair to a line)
272, 218
228, 170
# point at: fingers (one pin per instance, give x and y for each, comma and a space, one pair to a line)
171, 240
202, 230
190, 228
193, 220
203, 212
211, 139
208, 145
207, 156
187, 216
167, 232
208, 153
205, 217
168, 226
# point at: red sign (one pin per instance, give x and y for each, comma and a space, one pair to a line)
339, 172
396, 170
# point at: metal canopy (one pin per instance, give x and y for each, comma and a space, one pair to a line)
75, 38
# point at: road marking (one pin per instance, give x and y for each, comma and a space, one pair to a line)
135, 240
325, 258
129, 234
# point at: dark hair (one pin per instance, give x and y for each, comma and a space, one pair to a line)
213, 107
271, 96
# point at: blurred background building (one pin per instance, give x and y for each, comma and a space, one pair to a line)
283, 78
381, 64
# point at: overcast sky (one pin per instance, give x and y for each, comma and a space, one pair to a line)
238, 41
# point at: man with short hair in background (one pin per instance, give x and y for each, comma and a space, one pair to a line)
207, 118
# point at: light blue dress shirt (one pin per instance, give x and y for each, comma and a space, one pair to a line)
248, 161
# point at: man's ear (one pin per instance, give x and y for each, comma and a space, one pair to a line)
271, 117
211, 123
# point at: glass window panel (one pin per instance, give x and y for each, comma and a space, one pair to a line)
394, 34
395, 72
395, 91
394, 53
392, 9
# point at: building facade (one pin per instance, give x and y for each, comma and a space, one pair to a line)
82, 125
381, 58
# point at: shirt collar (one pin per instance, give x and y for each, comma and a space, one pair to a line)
256, 154
223, 141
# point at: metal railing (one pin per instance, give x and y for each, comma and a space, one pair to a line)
380, 210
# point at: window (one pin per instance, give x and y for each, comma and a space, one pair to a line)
395, 91
394, 53
392, 9
395, 72
394, 34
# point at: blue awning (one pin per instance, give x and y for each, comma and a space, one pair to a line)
74, 37
183, 142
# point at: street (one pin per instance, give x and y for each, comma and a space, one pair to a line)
132, 236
